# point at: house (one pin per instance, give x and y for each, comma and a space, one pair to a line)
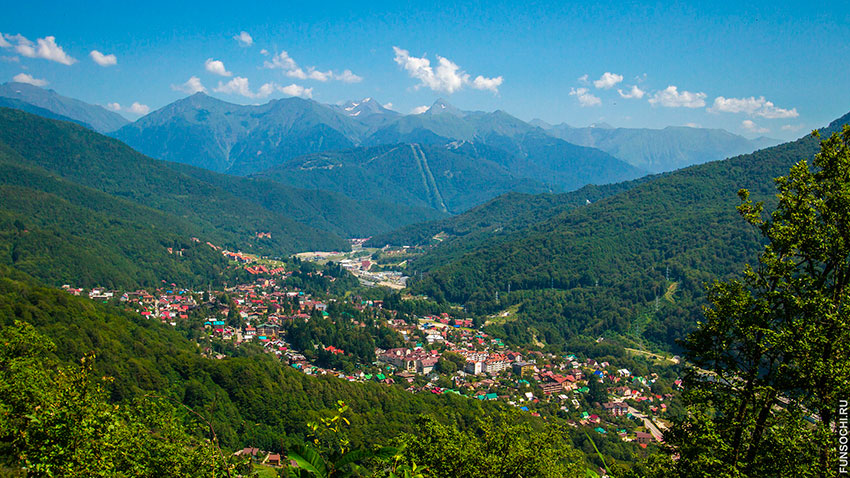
419, 361
250, 451
268, 330
552, 387
495, 364
473, 367
250, 332
273, 459
427, 364
615, 408
521, 368
643, 438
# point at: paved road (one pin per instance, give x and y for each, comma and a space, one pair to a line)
656, 433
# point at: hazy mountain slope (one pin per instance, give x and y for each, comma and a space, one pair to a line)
44, 113
367, 111
64, 233
93, 116
659, 150
87, 158
535, 154
225, 137
601, 267
498, 217
326, 210
446, 178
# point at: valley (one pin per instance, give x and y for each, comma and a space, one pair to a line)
292, 286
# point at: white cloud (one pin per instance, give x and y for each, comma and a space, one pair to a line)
752, 106
585, 98
264, 52
268, 88
348, 77
750, 126
672, 98
635, 93
311, 74
792, 127
216, 67
607, 81
770, 111
240, 86
138, 109
25, 78
296, 90
103, 60
584, 79
244, 39
388, 106
447, 77
191, 86
693, 125
492, 84
45, 48
282, 61
419, 110
10, 59
3, 42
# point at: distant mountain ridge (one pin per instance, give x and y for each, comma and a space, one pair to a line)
478, 155
659, 150
284, 135
95, 117
97, 173
367, 111
236, 139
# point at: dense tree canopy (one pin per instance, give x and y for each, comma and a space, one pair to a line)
772, 357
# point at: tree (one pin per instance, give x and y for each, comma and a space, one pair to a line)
340, 460
446, 366
501, 446
597, 393
56, 421
772, 357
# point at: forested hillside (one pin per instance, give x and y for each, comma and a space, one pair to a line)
65, 233
89, 159
634, 263
445, 178
322, 209
502, 215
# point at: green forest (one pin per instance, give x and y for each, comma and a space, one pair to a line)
634, 263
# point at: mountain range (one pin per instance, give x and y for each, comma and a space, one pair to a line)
659, 150
79, 205
26, 96
444, 159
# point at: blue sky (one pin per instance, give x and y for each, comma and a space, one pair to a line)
773, 68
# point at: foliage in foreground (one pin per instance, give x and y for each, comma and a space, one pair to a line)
56, 420
772, 358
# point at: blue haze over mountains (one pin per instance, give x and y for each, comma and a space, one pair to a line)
444, 159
